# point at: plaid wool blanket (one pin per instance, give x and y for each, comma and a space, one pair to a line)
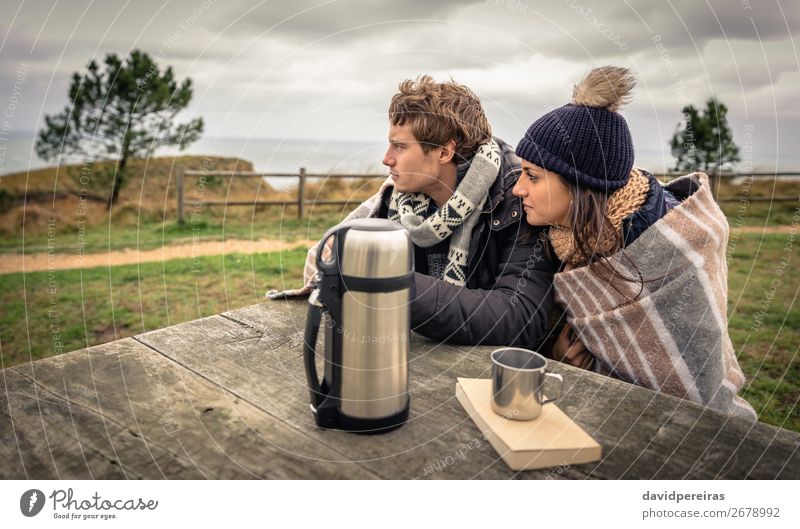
673, 337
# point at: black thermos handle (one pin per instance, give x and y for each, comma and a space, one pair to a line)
330, 266
309, 353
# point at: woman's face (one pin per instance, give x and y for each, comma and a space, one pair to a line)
545, 196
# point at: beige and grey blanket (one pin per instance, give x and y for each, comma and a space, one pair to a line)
673, 337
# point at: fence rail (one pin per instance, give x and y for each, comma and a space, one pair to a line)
303, 176
300, 201
730, 176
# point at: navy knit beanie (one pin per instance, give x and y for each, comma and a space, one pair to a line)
587, 142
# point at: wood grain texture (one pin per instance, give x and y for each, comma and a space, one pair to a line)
645, 435
225, 397
180, 424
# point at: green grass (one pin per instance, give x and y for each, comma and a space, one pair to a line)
764, 323
45, 313
274, 223
759, 214
149, 234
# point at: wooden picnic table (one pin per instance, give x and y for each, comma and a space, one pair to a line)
226, 397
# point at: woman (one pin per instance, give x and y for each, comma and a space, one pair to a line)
643, 279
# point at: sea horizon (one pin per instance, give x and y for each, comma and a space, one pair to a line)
267, 154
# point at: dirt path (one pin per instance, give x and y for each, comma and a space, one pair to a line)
10, 263
768, 229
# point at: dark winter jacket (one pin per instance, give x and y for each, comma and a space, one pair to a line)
508, 294
655, 207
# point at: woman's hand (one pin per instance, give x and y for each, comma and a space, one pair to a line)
569, 349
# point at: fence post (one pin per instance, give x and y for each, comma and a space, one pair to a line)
301, 193
716, 179
179, 172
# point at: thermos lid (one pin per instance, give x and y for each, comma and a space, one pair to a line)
376, 248
374, 225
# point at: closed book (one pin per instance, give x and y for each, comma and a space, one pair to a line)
550, 440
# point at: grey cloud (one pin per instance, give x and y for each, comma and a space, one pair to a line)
581, 30
342, 60
719, 18
305, 20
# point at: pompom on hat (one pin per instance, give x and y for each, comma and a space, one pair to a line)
586, 141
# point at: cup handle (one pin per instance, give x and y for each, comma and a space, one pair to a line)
560, 385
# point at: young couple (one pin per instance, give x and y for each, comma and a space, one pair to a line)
636, 268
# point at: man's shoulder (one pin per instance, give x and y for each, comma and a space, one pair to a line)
504, 208
510, 168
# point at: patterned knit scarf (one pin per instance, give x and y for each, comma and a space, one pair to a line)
456, 218
621, 203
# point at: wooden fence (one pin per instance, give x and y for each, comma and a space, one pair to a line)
300, 201
303, 176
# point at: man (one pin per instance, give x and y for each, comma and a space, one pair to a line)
481, 275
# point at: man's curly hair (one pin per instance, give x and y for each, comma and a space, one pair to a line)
440, 112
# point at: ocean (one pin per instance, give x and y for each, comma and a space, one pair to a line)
317, 156
269, 155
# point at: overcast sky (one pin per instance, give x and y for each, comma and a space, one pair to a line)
327, 69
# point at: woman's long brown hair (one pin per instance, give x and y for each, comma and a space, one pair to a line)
590, 225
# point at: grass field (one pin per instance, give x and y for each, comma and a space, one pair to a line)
274, 223
45, 313
764, 323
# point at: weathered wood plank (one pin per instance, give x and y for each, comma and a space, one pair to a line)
434, 369
647, 435
644, 434
43, 436
189, 426
226, 397
269, 373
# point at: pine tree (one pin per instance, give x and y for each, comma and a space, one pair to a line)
117, 112
703, 141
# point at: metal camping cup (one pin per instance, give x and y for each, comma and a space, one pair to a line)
518, 377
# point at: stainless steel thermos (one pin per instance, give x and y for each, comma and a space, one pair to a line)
362, 301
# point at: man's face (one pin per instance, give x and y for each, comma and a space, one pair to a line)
411, 169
